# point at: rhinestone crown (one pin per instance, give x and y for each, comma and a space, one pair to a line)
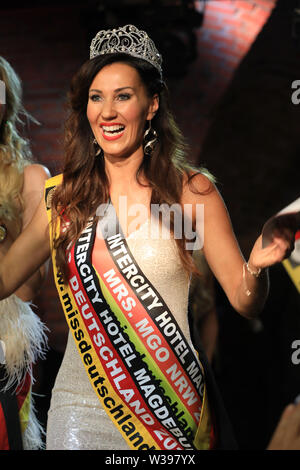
127, 40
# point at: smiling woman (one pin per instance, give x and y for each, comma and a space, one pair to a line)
118, 109
122, 89
131, 377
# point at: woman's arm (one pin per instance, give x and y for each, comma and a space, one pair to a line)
26, 255
33, 191
223, 253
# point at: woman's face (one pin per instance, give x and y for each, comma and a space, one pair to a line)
117, 110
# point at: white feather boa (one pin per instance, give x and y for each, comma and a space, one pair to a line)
24, 337
25, 341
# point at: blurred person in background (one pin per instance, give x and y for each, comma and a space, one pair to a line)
22, 333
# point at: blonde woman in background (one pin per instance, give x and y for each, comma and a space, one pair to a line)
22, 334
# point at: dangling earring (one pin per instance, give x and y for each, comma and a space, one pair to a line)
98, 149
150, 139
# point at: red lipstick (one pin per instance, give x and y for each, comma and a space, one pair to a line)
112, 135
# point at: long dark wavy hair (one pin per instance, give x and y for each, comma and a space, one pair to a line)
85, 183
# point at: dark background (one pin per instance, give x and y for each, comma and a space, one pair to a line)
230, 65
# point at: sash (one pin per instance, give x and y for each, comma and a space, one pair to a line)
146, 376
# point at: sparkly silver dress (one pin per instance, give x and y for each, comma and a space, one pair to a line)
76, 419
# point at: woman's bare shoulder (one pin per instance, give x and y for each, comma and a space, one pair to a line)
35, 176
36, 172
197, 185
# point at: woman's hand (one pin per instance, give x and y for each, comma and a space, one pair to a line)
280, 248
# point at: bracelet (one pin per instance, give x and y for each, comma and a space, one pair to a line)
253, 273
247, 291
3, 233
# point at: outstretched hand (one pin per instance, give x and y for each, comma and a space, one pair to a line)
279, 249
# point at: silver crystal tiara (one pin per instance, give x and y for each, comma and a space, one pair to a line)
127, 40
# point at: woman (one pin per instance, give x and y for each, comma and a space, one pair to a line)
130, 377
21, 332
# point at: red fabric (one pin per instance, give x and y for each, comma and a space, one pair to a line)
22, 391
4, 445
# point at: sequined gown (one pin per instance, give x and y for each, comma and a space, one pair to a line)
76, 419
